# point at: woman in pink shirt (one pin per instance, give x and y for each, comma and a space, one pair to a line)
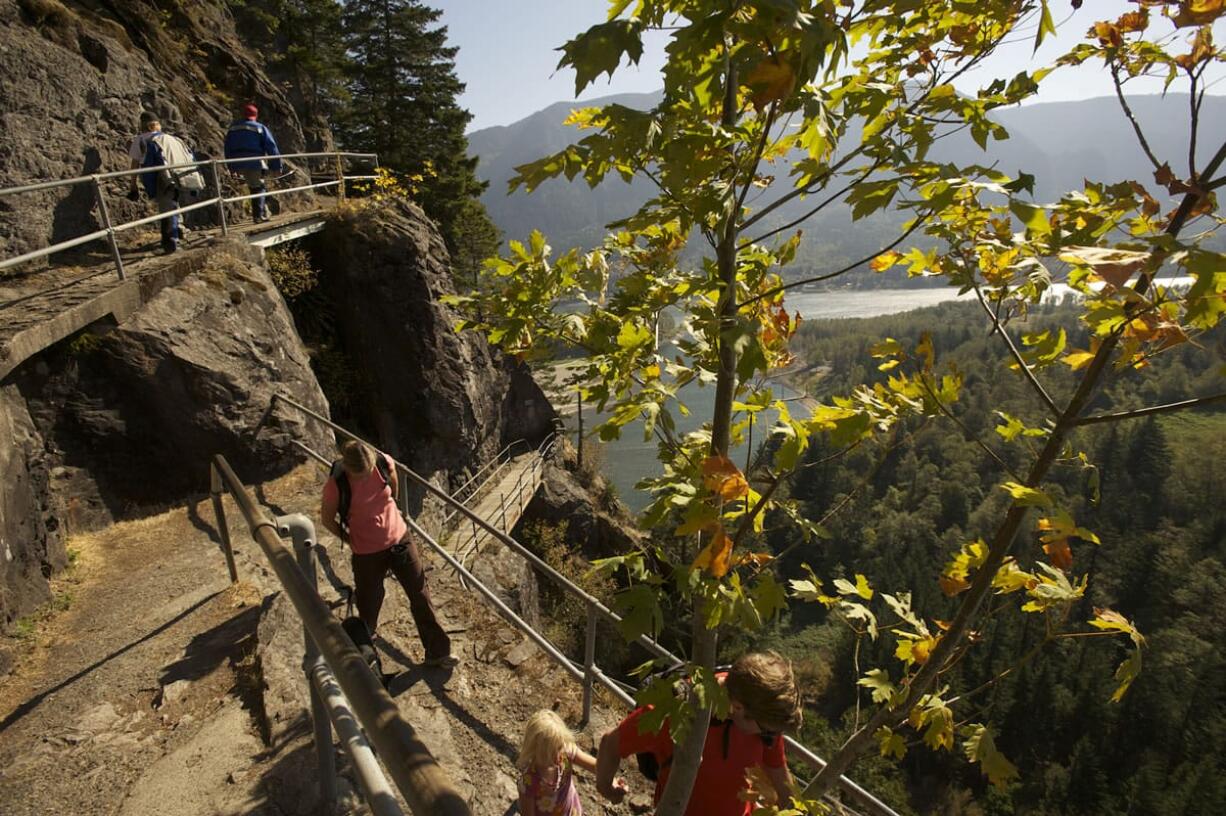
380, 540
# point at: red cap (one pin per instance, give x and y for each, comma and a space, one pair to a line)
251, 111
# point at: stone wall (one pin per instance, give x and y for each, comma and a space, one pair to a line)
31, 532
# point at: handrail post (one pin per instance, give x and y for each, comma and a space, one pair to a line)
106, 225
223, 530
340, 177
301, 530
221, 201
589, 662
502, 502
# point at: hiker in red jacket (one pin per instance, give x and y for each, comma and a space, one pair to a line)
764, 703
359, 508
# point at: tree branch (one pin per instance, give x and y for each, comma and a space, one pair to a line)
757, 159
772, 292
1155, 409
1017, 355
967, 431
1195, 115
813, 211
1136, 126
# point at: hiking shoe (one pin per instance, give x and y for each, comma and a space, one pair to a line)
447, 661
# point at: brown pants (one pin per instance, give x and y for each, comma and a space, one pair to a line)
404, 561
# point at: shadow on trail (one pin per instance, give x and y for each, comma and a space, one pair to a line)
32, 703
435, 681
321, 553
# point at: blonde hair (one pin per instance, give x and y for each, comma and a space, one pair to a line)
356, 458
545, 740
764, 683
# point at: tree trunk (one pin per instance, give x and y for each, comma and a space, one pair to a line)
687, 756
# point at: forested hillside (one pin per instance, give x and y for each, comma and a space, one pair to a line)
906, 508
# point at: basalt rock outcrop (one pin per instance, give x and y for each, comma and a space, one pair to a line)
143, 406
74, 78
31, 531
596, 527
443, 403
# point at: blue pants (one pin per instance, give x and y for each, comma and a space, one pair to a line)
255, 183
167, 200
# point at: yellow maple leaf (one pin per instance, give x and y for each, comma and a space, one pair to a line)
884, 261
723, 478
716, 557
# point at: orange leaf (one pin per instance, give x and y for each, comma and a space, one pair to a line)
952, 586
1134, 20
1108, 34
1115, 266
770, 80
716, 557
884, 261
1059, 554
722, 478
1198, 12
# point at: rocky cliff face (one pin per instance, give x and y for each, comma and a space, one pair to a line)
123, 417
31, 535
144, 405
443, 403
74, 78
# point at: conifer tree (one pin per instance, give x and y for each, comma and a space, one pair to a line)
403, 90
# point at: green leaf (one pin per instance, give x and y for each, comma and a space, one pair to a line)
868, 197
616, 7
634, 335
860, 612
860, 587
1026, 496
891, 744
1034, 218
1046, 26
878, 681
981, 747
640, 609
600, 49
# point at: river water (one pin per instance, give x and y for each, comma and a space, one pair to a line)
630, 458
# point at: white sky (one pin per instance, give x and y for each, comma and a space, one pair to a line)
507, 55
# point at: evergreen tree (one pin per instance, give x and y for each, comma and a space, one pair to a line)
305, 50
403, 90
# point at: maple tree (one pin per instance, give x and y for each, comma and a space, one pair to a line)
771, 102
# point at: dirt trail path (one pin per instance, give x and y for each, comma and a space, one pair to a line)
144, 697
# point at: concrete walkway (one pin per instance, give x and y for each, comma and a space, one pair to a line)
42, 307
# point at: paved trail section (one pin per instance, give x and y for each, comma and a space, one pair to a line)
159, 688
40, 307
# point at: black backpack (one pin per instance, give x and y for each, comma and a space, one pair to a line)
360, 635
345, 493
649, 764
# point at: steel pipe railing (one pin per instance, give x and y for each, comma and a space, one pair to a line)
110, 230
424, 784
596, 609
116, 174
379, 795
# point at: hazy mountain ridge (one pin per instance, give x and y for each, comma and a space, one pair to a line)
1060, 143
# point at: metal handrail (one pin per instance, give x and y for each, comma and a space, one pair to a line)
48, 185
110, 230
425, 786
496, 462
596, 610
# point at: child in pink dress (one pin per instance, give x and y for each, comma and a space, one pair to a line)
546, 768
